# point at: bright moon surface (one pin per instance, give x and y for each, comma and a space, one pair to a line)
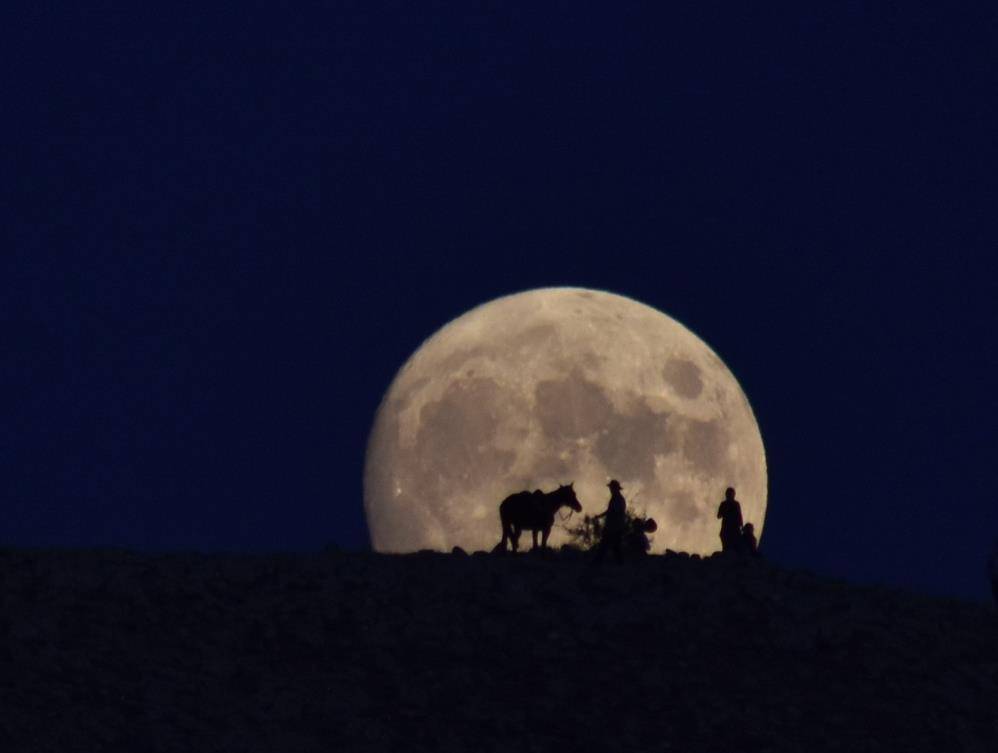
552, 386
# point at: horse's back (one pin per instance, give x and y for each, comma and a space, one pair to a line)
515, 502
523, 509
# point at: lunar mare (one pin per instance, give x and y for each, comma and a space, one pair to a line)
556, 385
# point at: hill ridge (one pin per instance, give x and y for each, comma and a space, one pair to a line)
116, 650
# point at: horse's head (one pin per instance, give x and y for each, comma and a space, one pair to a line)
567, 498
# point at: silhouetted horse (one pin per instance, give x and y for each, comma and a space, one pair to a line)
533, 511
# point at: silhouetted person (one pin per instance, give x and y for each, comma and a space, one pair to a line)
993, 570
614, 525
749, 543
730, 513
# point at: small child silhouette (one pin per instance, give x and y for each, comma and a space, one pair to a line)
749, 543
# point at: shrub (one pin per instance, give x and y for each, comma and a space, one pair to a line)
587, 533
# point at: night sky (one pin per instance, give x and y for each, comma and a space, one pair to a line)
225, 229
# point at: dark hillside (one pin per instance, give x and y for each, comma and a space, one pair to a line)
108, 650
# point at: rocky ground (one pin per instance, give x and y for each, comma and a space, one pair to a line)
115, 651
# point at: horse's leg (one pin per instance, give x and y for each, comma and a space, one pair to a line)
533, 534
516, 538
505, 532
544, 538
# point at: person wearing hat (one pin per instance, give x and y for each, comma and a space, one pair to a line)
616, 520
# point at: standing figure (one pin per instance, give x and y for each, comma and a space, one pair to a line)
749, 543
616, 520
993, 570
730, 513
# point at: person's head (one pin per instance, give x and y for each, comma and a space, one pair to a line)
614, 485
749, 529
729, 493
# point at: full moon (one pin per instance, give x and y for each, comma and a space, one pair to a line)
553, 386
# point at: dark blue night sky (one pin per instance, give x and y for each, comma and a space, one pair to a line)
225, 228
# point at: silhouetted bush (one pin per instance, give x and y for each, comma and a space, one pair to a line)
588, 532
